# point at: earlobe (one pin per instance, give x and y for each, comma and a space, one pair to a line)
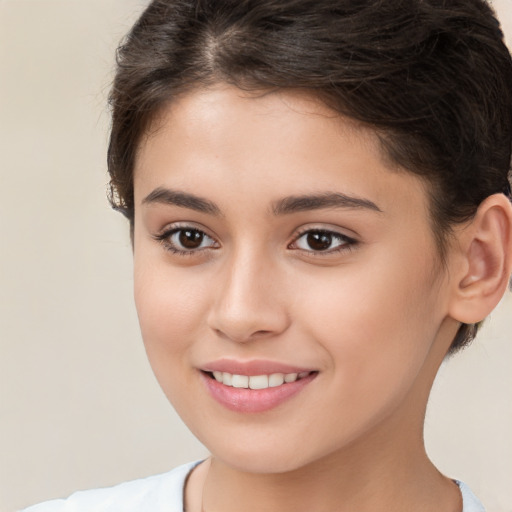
486, 251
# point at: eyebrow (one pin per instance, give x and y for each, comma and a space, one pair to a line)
183, 199
295, 204
284, 206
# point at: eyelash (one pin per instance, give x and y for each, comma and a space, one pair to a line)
165, 239
346, 243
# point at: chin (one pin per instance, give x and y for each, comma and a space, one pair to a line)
263, 458
261, 463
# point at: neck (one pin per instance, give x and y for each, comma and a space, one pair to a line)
400, 478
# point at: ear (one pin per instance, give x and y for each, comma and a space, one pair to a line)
484, 263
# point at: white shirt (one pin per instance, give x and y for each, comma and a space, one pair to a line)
160, 493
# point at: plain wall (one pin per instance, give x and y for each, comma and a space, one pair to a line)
79, 406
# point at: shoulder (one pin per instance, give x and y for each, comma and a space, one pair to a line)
156, 493
470, 503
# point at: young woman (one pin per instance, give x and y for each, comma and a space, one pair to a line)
320, 208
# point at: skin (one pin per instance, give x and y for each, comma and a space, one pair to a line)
373, 319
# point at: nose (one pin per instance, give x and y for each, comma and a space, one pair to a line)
248, 302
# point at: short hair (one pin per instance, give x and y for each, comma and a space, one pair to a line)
432, 78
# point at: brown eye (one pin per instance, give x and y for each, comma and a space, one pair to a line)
190, 238
186, 240
319, 241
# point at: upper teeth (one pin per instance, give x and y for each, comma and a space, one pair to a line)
257, 381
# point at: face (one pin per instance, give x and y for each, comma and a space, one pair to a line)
286, 279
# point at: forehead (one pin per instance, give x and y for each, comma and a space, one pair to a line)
288, 141
225, 115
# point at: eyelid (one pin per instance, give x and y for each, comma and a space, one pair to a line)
183, 224
326, 228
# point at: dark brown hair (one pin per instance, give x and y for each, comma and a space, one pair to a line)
433, 78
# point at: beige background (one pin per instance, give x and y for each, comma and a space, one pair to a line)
79, 406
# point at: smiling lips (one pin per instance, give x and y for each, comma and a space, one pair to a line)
257, 381
254, 387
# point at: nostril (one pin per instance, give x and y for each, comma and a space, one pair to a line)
242, 336
258, 334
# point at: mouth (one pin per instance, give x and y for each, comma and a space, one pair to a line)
256, 382
243, 393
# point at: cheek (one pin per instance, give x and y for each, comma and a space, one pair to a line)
170, 306
377, 324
